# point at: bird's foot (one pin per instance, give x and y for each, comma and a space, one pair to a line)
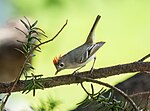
75, 72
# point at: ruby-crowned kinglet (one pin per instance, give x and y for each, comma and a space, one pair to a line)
81, 55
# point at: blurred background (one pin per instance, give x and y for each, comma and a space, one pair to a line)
124, 26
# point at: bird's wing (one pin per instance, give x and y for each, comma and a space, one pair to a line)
90, 51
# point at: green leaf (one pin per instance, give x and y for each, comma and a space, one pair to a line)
29, 65
33, 32
34, 91
27, 87
36, 28
25, 24
25, 73
21, 31
84, 101
21, 41
39, 85
42, 34
35, 38
37, 50
25, 48
30, 89
92, 89
19, 50
27, 21
32, 55
34, 24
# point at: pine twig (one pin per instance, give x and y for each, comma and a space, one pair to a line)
113, 88
26, 60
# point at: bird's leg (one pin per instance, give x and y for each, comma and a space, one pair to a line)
92, 68
76, 71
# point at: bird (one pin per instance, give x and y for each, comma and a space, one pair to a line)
80, 56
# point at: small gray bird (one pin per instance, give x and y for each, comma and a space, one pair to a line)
80, 56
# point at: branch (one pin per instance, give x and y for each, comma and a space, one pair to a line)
71, 79
52, 38
144, 58
113, 88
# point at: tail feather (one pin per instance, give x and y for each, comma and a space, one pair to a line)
90, 38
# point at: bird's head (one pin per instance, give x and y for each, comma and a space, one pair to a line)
59, 64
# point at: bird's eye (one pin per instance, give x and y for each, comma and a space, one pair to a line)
61, 65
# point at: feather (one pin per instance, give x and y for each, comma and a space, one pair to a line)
56, 59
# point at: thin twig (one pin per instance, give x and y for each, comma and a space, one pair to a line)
53, 37
139, 94
113, 88
85, 89
144, 58
141, 98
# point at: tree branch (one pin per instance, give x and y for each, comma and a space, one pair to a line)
71, 79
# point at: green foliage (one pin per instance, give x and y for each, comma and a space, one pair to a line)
33, 84
32, 43
28, 47
47, 105
33, 35
102, 103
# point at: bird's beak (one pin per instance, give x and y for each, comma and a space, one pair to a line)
56, 72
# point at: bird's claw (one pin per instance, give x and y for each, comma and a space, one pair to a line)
75, 72
91, 71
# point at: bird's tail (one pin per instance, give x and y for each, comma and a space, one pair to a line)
90, 38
